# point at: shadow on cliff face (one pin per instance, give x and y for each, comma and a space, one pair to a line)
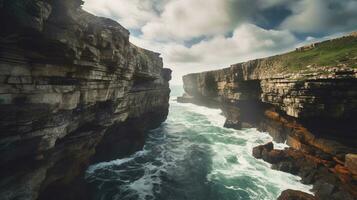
65, 178
123, 140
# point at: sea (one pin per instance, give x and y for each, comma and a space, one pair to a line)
191, 156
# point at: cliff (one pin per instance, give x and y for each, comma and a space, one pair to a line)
73, 90
306, 97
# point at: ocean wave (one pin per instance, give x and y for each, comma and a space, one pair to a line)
192, 156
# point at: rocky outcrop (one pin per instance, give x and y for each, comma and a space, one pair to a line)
330, 179
73, 90
295, 195
306, 97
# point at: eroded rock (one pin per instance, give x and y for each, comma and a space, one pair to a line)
258, 151
329, 178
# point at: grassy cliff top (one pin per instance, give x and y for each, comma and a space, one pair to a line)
325, 58
318, 60
336, 52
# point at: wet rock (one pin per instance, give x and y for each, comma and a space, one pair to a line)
308, 175
324, 190
286, 166
259, 150
351, 163
336, 181
232, 124
295, 195
273, 156
342, 196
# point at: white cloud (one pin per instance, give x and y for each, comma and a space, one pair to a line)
131, 14
185, 19
247, 42
325, 16
166, 26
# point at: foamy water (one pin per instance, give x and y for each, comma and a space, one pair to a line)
191, 156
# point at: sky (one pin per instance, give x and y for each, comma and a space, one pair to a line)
201, 35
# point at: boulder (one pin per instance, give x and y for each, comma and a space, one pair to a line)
258, 150
295, 195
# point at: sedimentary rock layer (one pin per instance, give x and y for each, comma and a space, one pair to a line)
73, 90
311, 107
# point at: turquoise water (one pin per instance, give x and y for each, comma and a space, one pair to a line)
192, 157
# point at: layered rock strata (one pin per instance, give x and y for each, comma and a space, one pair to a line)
73, 90
311, 107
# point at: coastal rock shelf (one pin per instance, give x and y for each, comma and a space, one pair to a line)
73, 90
307, 98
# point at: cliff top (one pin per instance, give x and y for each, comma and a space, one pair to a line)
339, 52
318, 60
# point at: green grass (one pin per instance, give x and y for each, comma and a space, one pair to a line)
329, 53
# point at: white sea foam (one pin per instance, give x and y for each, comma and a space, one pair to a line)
91, 169
144, 185
213, 115
246, 164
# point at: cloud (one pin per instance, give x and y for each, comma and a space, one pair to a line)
265, 4
185, 19
248, 41
197, 35
131, 14
165, 20
321, 16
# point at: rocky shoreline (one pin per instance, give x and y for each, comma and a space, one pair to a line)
312, 108
73, 91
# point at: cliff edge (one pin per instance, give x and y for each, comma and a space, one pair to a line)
306, 97
73, 90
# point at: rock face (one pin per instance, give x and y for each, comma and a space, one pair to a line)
73, 90
311, 107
